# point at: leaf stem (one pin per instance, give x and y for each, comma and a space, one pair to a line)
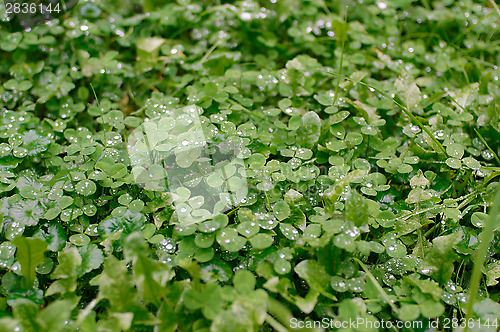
214, 46
495, 6
233, 210
250, 113
95, 94
377, 285
86, 311
484, 142
403, 108
344, 33
275, 324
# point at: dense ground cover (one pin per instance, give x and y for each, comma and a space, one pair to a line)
370, 137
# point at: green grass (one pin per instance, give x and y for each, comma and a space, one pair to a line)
356, 145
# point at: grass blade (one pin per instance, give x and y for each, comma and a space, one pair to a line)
480, 256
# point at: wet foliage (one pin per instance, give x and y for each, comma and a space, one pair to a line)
366, 138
